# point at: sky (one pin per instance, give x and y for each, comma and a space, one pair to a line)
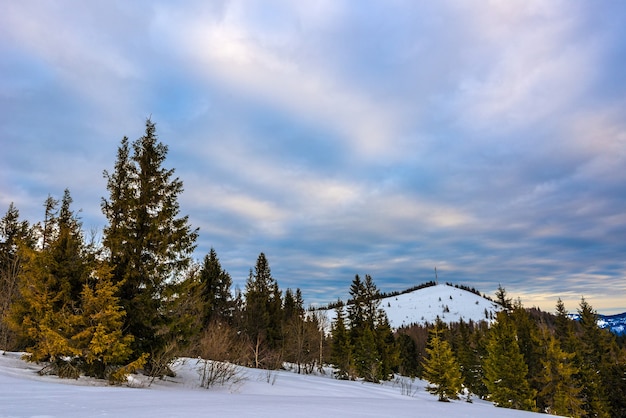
486, 139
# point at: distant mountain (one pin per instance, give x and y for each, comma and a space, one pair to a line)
424, 305
614, 323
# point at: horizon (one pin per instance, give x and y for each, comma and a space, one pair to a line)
341, 138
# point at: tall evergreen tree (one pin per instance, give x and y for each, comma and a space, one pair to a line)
560, 393
441, 368
341, 347
528, 340
590, 359
505, 369
13, 233
263, 310
149, 245
215, 290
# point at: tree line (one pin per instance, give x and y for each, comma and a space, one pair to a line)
136, 299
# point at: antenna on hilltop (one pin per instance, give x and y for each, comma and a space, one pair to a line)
436, 278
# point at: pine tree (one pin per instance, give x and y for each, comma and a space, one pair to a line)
341, 348
505, 370
367, 359
50, 283
560, 393
263, 311
408, 356
216, 294
590, 360
13, 233
149, 245
441, 368
529, 343
100, 340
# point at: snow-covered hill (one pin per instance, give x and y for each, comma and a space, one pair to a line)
23, 393
449, 303
424, 305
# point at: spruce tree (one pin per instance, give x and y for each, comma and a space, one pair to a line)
505, 369
408, 355
591, 356
341, 347
560, 393
441, 368
149, 244
50, 283
215, 290
263, 311
102, 345
13, 233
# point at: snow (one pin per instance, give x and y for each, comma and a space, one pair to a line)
23, 393
424, 305
448, 303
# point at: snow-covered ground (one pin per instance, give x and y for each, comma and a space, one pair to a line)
23, 393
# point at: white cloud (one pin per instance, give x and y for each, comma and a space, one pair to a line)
268, 68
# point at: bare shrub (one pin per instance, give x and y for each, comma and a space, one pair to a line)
221, 342
220, 373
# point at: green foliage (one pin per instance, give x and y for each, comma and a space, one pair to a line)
560, 392
341, 347
505, 369
148, 244
13, 232
100, 339
441, 368
263, 314
215, 290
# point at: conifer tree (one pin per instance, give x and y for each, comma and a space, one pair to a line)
367, 361
215, 292
590, 359
564, 328
529, 343
50, 283
262, 312
149, 245
465, 347
341, 348
560, 393
408, 356
102, 345
505, 369
13, 233
441, 368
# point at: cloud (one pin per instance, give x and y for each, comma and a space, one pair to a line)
340, 138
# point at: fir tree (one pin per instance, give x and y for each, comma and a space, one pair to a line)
50, 283
216, 294
262, 312
408, 355
441, 368
13, 233
100, 340
505, 369
149, 245
590, 359
341, 348
560, 393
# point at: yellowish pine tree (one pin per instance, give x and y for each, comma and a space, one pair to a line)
102, 344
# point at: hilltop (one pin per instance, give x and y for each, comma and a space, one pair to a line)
425, 304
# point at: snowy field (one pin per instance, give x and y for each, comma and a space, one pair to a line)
23, 393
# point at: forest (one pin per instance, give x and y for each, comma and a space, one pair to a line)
136, 299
